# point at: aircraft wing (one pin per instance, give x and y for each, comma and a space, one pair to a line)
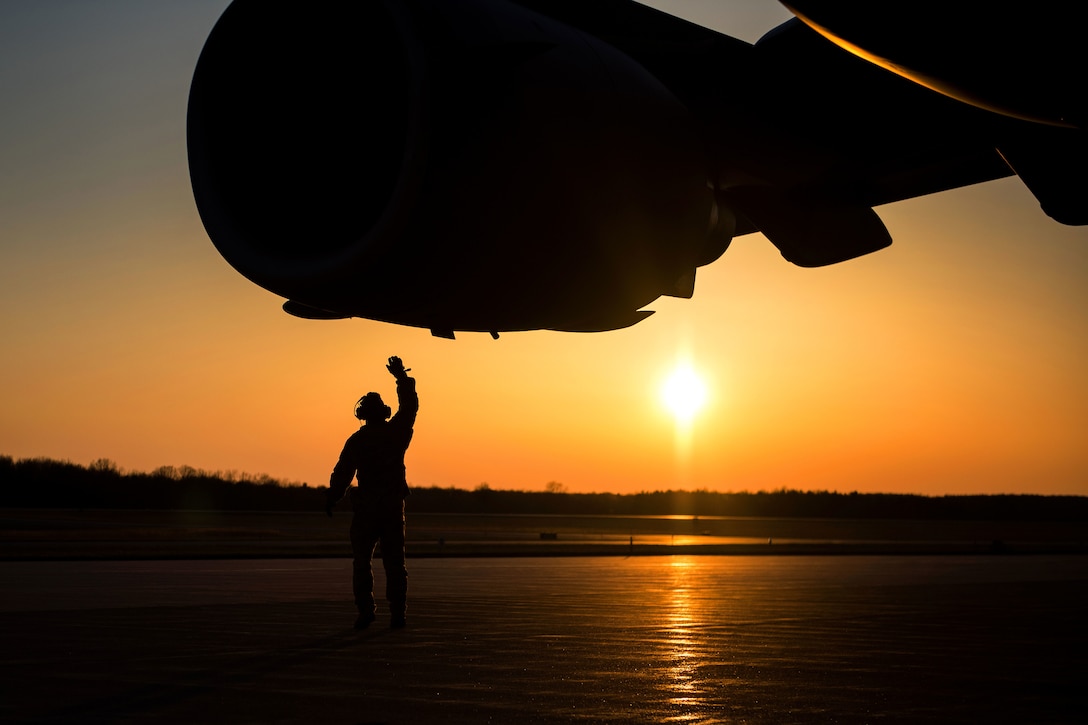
493, 165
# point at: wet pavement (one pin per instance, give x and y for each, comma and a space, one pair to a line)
682, 639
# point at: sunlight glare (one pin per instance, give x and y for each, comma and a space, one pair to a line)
684, 393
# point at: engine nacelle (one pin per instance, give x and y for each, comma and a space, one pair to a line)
449, 164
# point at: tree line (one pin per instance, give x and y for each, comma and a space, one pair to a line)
46, 483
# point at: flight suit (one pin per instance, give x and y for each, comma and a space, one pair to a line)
375, 455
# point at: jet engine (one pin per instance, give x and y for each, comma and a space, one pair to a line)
447, 164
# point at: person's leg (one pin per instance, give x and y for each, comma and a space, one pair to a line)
363, 538
396, 573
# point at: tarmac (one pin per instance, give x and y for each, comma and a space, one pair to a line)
663, 639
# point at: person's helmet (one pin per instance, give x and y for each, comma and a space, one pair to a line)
371, 407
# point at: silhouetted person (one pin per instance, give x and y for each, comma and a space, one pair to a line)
375, 453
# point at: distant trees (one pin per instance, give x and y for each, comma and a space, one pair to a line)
782, 503
104, 465
45, 483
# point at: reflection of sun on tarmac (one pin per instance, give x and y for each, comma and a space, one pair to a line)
682, 645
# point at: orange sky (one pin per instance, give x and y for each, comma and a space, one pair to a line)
952, 362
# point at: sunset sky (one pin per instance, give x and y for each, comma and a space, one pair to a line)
953, 362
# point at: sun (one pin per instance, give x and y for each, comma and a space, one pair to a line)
684, 393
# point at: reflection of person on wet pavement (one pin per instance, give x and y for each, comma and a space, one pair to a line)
376, 453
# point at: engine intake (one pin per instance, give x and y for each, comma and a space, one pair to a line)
450, 164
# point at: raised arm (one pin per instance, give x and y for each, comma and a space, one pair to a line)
407, 399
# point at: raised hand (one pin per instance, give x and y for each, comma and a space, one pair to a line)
396, 368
